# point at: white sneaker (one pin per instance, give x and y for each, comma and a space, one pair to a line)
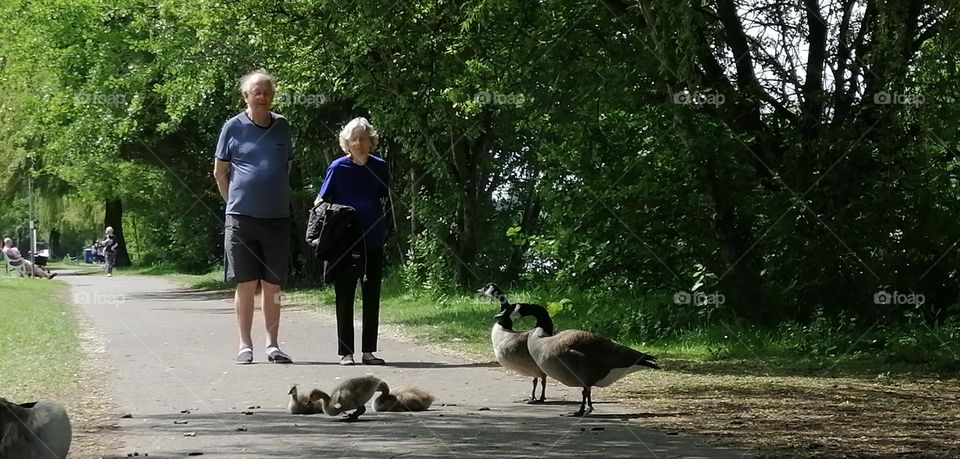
109, 274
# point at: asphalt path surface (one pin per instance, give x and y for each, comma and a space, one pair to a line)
169, 352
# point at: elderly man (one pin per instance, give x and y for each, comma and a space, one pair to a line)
252, 173
14, 255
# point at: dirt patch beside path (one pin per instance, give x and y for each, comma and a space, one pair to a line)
802, 416
92, 412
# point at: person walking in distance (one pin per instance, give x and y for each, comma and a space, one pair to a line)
110, 244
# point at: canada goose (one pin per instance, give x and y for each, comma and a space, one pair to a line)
352, 394
34, 430
510, 347
411, 399
304, 404
579, 358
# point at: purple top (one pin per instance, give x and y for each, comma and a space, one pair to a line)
360, 187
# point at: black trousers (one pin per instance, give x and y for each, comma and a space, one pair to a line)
346, 288
111, 259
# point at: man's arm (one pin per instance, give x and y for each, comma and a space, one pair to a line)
221, 172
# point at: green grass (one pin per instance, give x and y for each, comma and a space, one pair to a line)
39, 341
212, 280
457, 323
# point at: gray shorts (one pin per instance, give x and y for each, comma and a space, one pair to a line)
256, 248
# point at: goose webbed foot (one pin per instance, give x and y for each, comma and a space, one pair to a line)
533, 400
354, 417
586, 405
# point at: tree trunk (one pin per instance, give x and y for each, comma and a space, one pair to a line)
304, 266
467, 244
55, 243
738, 280
114, 217
414, 190
472, 176
528, 223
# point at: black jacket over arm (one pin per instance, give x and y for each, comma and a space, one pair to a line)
334, 232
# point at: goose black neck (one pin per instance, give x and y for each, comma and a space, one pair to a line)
505, 322
543, 318
504, 302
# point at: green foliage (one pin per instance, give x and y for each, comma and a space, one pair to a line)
913, 342
546, 143
426, 268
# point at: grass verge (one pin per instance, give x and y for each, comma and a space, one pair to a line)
38, 339
209, 281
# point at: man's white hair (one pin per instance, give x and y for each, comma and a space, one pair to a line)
355, 123
254, 77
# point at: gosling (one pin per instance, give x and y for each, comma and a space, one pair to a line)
304, 404
352, 395
411, 399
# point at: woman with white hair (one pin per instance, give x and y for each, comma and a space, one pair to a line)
362, 181
252, 172
110, 249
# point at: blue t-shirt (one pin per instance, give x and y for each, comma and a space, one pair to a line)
259, 178
360, 187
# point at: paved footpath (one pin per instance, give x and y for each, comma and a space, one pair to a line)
171, 352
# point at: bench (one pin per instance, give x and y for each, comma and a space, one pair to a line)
13, 266
71, 259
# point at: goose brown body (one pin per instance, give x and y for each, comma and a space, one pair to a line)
580, 358
510, 347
